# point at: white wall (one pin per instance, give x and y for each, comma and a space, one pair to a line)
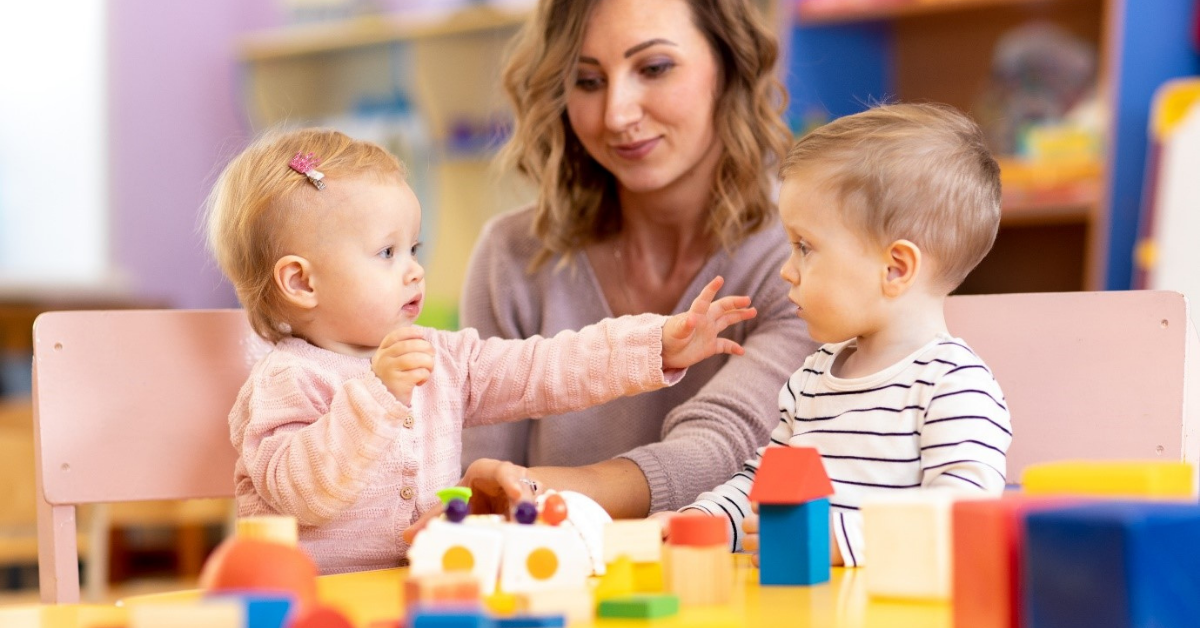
53, 144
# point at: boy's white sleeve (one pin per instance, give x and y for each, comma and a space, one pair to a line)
966, 432
732, 499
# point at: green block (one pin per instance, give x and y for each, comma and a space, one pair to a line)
644, 606
454, 492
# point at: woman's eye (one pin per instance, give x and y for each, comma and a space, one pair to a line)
589, 83
657, 69
388, 253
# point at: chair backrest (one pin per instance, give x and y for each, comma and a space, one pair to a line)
1089, 375
130, 405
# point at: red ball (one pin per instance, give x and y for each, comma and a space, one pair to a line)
554, 510
254, 565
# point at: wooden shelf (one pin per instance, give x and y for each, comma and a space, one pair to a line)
828, 12
313, 39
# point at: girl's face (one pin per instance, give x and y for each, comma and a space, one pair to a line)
642, 99
361, 245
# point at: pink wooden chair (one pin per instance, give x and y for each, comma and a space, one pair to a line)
1089, 375
128, 406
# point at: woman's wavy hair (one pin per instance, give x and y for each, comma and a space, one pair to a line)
576, 201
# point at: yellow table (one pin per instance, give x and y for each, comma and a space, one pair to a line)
370, 596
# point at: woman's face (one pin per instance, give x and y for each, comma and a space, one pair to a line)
643, 95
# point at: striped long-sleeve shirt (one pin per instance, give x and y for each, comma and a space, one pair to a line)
935, 419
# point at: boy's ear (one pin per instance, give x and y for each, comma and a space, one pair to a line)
293, 278
903, 265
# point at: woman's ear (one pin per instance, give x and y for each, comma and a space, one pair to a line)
903, 265
293, 277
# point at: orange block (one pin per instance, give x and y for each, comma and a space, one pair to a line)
697, 529
790, 475
452, 588
988, 538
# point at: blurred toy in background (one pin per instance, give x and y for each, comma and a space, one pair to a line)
1042, 77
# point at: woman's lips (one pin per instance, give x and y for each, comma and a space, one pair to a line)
636, 150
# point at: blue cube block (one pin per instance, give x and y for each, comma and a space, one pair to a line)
449, 618
263, 609
1113, 565
794, 543
532, 621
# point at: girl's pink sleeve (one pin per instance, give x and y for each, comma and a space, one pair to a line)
310, 446
508, 380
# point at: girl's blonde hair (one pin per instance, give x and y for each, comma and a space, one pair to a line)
576, 196
257, 198
918, 172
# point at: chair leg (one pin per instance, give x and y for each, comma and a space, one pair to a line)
96, 578
58, 555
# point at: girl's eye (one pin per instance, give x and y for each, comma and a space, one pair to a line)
388, 253
802, 247
416, 247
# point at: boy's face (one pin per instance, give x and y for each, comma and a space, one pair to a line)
836, 273
362, 247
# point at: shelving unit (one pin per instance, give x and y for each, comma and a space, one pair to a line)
449, 70
1078, 236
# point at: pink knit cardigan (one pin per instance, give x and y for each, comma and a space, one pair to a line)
320, 437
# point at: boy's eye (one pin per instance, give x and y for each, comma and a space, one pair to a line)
388, 253
416, 247
802, 246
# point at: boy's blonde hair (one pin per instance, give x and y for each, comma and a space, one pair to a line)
916, 172
257, 199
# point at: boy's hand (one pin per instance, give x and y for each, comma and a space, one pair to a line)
691, 336
403, 361
750, 541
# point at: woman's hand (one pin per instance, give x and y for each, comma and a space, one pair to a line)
496, 488
663, 518
750, 541
692, 336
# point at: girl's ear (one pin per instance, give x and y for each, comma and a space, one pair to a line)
904, 263
294, 279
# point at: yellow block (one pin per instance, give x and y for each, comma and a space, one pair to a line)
618, 579
648, 577
1137, 479
501, 603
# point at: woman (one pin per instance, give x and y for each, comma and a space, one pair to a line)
650, 130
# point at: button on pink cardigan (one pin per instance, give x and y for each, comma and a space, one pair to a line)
320, 438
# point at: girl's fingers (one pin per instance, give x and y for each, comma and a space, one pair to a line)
707, 295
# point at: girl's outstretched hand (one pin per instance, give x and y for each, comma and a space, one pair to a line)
691, 336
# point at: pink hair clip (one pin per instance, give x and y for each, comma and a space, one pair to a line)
307, 166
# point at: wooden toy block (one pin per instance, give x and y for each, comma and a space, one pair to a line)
73, 615
695, 529
325, 617
907, 536
1113, 565
790, 475
538, 558
212, 614
576, 605
1124, 479
617, 581
263, 609
454, 588
642, 606
437, 618
472, 547
648, 577
532, 621
987, 579
639, 539
794, 543
277, 528
699, 575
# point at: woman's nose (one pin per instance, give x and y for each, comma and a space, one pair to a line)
623, 107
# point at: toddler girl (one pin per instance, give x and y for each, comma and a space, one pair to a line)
354, 419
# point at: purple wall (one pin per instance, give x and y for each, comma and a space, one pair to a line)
175, 118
